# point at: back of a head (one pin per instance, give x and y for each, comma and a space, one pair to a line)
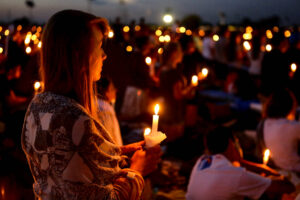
170, 50
280, 104
217, 140
66, 49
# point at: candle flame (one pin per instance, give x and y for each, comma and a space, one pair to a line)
293, 67
28, 50
147, 131
204, 71
195, 80
266, 156
148, 60
156, 109
247, 45
269, 47
110, 34
37, 85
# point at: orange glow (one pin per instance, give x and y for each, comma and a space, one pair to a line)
161, 38
137, 28
194, 80
160, 50
249, 29
148, 60
182, 29
158, 32
1, 50
216, 38
129, 48
110, 34
167, 38
247, 45
247, 36
19, 27
28, 50
40, 44
268, 47
188, 32
202, 33
287, 33
269, 34
37, 85
126, 29
266, 156
6, 33
147, 131
293, 67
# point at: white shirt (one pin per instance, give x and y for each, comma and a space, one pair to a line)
220, 180
109, 120
208, 44
281, 136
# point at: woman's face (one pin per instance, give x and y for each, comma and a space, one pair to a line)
97, 56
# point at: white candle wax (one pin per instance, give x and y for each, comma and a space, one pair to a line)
155, 120
152, 140
154, 124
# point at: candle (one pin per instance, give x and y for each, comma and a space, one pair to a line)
293, 67
195, 80
268, 47
152, 140
36, 86
266, 156
203, 74
155, 120
247, 46
148, 60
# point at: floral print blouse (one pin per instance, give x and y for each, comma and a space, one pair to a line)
71, 155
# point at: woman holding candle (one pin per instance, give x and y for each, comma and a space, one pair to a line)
70, 153
174, 88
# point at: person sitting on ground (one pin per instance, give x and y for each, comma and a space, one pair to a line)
279, 131
107, 115
219, 176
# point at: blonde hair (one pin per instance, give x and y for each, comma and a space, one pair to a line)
66, 50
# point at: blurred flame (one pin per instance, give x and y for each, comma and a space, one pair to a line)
147, 131
156, 109
266, 156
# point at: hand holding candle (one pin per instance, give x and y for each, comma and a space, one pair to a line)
154, 137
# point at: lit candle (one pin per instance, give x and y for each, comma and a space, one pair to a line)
247, 46
36, 86
293, 67
266, 156
148, 60
195, 80
203, 74
155, 120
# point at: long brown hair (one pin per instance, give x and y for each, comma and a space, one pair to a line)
66, 49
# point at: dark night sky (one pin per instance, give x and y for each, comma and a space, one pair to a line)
153, 10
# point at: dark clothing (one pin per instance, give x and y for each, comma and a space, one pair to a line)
191, 64
274, 72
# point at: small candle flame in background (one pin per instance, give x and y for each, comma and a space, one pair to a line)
37, 85
293, 67
28, 50
147, 131
194, 80
266, 156
268, 47
203, 74
148, 60
110, 34
156, 109
247, 46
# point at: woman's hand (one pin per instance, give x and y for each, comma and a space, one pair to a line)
146, 161
131, 148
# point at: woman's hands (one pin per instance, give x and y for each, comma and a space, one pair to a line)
131, 148
146, 161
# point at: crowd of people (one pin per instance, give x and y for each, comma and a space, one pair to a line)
226, 94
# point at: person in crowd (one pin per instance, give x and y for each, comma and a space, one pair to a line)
70, 153
279, 131
218, 175
208, 46
255, 56
192, 59
173, 87
106, 99
274, 66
